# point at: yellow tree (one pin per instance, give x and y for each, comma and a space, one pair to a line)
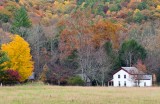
18, 51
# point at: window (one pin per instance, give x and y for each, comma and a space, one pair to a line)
124, 76
125, 83
118, 76
119, 83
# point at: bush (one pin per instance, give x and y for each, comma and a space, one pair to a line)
9, 77
76, 80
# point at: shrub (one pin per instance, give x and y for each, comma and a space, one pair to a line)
9, 77
76, 80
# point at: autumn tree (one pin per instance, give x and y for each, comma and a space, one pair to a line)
43, 74
18, 51
85, 33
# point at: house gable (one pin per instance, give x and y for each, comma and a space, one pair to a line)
121, 71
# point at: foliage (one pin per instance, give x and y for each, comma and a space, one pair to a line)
79, 32
158, 7
58, 75
130, 52
21, 19
4, 18
6, 13
70, 33
138, 16
9, 76
63, 7
18, 51
3, 59
115, 7
76, 80
43, 77
142, 6
17, 1
11, 6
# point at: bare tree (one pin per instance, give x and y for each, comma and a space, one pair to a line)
136, 76
36, 39
103, 65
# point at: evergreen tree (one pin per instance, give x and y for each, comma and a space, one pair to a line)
130, 52
21, 20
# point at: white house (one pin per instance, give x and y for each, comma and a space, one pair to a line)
130, 77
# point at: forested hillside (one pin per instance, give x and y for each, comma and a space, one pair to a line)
93, 38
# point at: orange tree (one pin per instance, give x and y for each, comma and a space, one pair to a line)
82, 28
85, 33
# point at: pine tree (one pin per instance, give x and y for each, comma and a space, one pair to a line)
21, 20
130, 52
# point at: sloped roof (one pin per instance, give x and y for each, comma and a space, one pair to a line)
146, 77
132, 70
135, 71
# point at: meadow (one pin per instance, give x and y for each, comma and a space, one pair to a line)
46, 94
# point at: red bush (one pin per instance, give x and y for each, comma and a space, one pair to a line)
9, 77
13, 75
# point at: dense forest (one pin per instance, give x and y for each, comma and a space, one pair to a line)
66, 38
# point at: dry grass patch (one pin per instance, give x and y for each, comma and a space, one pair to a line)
43, 94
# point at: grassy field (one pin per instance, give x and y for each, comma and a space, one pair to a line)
43, 94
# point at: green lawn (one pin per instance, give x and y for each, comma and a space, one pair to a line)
43, 94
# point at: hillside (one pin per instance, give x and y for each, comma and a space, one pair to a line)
85, 36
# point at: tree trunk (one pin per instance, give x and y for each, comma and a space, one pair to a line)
96, 83
130, 59
59, 82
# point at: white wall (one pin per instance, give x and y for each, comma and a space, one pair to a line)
148, 83
116, 80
